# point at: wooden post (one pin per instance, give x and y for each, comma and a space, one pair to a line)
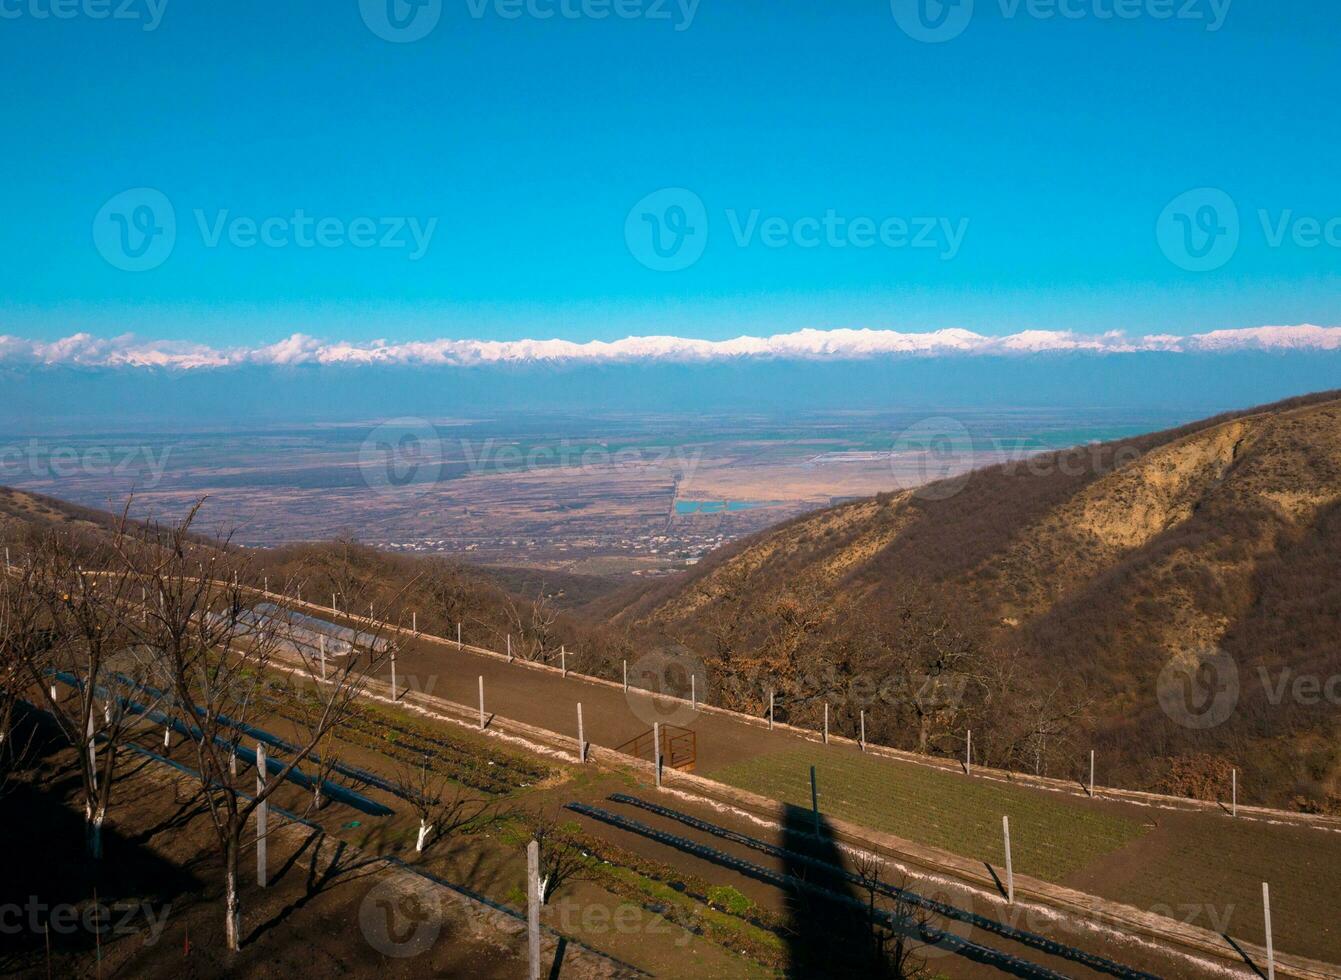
481, 702
814, 800
656, 751
581, 736
826, 722
267, 585
968, 753
1271, 946
626, 677
1234, 794
393, 676
863, 729
563, 659
693, 690
262, 815
1091, 774
323, 657
458, 634
770, 710
533, 909
334, 608
509, 648
414, 622
1010, 870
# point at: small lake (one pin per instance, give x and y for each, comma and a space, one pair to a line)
716, 506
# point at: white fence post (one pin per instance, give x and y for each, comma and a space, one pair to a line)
262, 815
693, 690
533, 909
581, 736
393, 677
1271, 947
458, 634
626, 677
509, 648
770, 710
1010, 870
481, 702
1234, 794
863, 729
968, 753
563, 659
826, 722
656, 751
1091, 774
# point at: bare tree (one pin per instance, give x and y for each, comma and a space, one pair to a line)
561, 858
532, 623
447, 591
929, 662
893, 948
24, 638
1018, 722
440, 806
217, 654
93, 657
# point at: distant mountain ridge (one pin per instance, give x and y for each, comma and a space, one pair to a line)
128, 351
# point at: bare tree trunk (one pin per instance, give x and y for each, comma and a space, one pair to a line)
232, 907
93, 819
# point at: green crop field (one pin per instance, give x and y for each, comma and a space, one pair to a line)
1051, 835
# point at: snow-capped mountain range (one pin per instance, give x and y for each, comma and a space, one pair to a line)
84, 350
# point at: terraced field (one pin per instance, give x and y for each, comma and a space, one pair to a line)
1051, 837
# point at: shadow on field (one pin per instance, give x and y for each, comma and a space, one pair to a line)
49, 883
833, 933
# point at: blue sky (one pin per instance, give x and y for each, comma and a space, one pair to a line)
1054, 145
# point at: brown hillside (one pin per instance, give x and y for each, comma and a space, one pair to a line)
1069, 581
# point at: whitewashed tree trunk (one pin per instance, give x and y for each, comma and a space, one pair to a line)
232, 909
544, 890
425, 828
